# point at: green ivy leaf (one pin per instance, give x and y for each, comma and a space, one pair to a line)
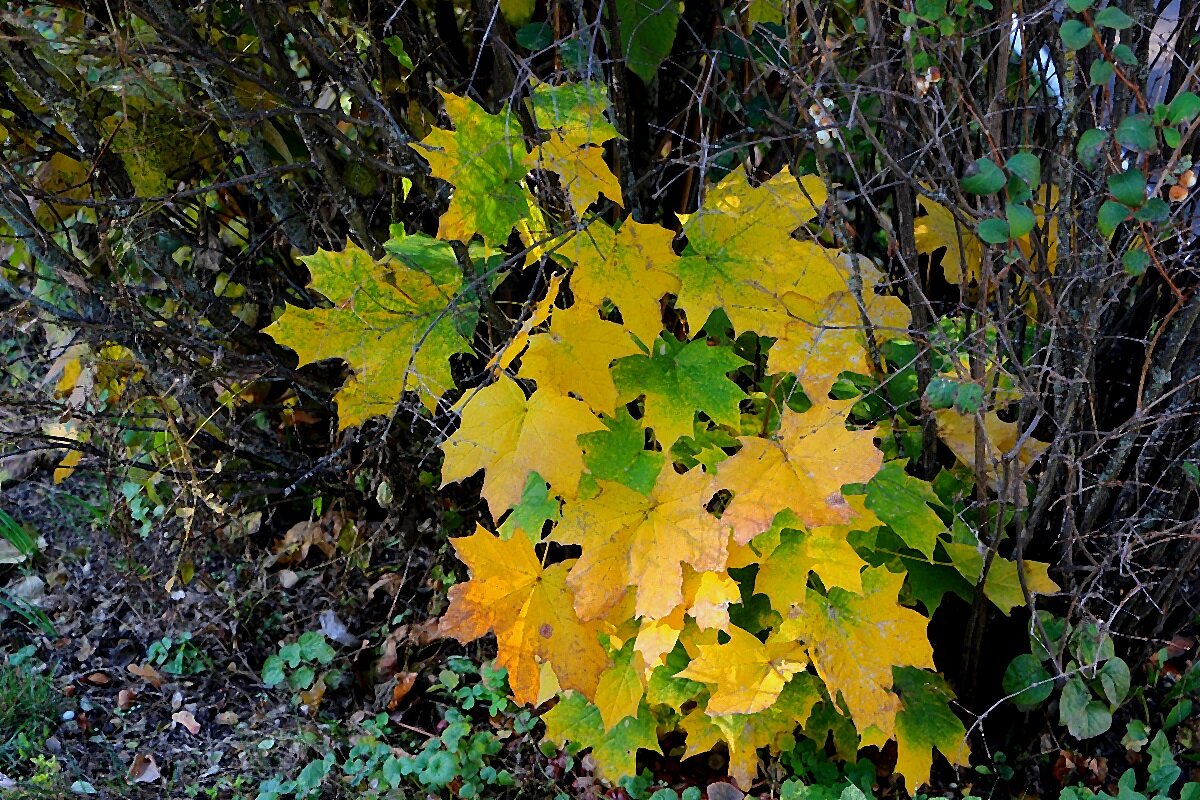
1027, 167
1083, 716
313, 647
1111, 215
1091, 146
1113, 17
983, 177
1135, 262
1184, 108
1137, 133
1156, 210
302, 678
1129, 187
272, 671
1075, 34
647, 33
1020, 220
1101, 72
993, 231
1114, 681
1079, 6
1029, 682
1124, 54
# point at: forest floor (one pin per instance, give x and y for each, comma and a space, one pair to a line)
139, 667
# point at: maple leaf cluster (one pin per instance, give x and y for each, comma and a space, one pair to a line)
743, 566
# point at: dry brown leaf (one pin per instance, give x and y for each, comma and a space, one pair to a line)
144, 769
147, 673
97, 679
313, 697
404, 684
125, 699
187, 720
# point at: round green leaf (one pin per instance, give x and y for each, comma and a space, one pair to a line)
983, 177
1083, 716
1026, 166
1028, 681
1129, 187
1100, 73
1135, 262
1020, 220
993, 231
1156, 210
1183, 108
1113, 17
1114, 681
1124, 54
1091, 147
1079, 6
1137, 133
1111, 215
272, 671
1075, 34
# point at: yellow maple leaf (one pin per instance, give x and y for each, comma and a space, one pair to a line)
531, 611
1003, 583
708, 597
1000, 438
803, 467
621, 687
744, 734
937, 229
745, 675
630, 539
783, 575
510, 436
740, 255
854, 640
484, 158
539, 314
820, 340
389, 322
657, 637
631, 267
574, 356
582, 170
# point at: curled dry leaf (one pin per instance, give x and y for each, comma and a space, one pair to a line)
147, 673
125, 699
187, 720
97, 679
404, 684
144, 769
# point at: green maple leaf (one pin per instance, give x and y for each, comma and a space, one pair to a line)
902, 502
484, 158
394, 325
537, 507
924, 722
618, 454
678, 379
576, 721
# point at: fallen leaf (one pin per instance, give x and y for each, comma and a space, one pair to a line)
404, 685
143, 769
313, 697
97, 679
147, 673
187, 720
125, 699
